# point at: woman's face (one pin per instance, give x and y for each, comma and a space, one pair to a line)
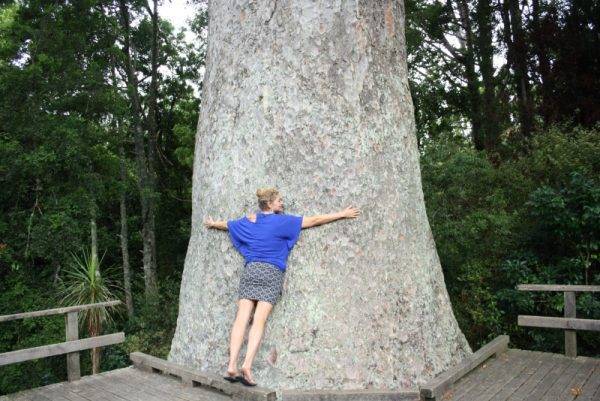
277, 205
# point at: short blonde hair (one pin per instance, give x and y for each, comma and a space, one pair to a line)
266, 195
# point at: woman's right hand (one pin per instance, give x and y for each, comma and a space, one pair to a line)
350, 212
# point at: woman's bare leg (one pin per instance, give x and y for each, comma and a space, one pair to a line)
263, 309
245, 308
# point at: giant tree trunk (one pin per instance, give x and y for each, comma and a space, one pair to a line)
313, 98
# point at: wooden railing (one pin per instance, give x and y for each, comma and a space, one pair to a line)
569, 323
436, 388
71, 347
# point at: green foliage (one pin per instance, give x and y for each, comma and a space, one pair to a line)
84, 283
149, 331
532, 219
469, 209
62, 120
561, 232
23, 291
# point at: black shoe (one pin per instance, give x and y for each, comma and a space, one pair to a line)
232, 379
245, 382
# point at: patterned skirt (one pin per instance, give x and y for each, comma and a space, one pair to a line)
261, 281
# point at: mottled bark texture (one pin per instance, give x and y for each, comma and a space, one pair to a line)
312, 97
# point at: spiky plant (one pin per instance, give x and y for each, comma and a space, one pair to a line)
82, 283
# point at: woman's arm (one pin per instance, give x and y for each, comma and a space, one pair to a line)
218, 224
349, 213
222, 225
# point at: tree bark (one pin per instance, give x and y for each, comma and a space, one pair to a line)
125, 235
517, 58
540, 49
95, 331
94, 237
313, 98
153, 130
144, 181
490, 110
468, 52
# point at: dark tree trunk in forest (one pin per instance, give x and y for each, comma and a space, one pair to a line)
95, 352
313, 98
471, 76
517, 57
94, 238
145, 175
541, 51
490, 111
124, 235
153, 127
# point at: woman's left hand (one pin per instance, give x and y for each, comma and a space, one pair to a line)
209, 223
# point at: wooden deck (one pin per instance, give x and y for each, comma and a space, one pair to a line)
513, 375
127, 384
517, 375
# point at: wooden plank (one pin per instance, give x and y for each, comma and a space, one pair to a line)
475, 377
548, 361
481, 382
147, 390
553, 375
559, 322
58, 392
517, 365
72, 333
348, 395
54, 393
161, 385
44, 351
199, 378
70, 394
468, 381
590, 391
57, 311
161, 381
531, 360
436, 387
558, 287
562, 382
582, 376
122, 392
110, 382
83, 388
570, 335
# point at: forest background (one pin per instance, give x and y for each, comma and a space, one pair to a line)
99, 104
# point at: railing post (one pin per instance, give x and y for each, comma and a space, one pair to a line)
570, 335
72, 330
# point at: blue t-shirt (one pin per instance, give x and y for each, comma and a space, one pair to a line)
270, 239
